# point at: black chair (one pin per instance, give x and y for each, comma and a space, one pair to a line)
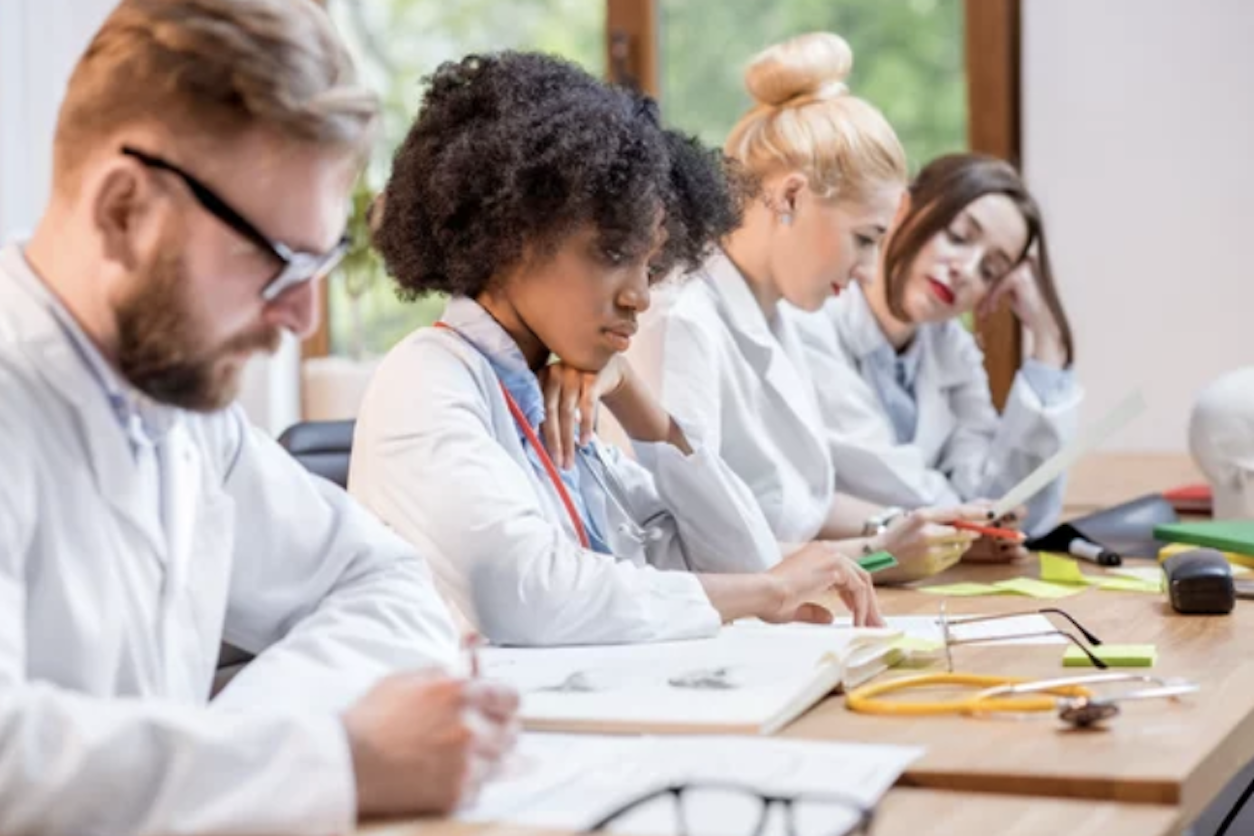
323, 447
231, 660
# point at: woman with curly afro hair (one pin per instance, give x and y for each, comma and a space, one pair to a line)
545, 203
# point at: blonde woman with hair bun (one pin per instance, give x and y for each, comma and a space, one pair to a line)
723, 352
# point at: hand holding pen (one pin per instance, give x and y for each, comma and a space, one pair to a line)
424, 742
1000, 541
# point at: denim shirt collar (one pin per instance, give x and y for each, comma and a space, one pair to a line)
476, 325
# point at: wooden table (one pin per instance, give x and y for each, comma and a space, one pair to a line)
1153, 770
1149, 774
914, 812
1178, 754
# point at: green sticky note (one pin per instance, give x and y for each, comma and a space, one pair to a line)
877, 562
961, 590
1115, 655
1038, 589
1057, 568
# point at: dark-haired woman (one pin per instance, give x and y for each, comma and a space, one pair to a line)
904, 392
545, 202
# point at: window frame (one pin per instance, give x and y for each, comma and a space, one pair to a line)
993, 42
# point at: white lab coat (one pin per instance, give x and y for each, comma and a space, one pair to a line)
110, 627
707, 351
438, 457
962, 449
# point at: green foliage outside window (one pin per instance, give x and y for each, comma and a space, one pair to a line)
908, 60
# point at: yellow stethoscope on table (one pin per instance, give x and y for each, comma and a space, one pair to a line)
1072, 697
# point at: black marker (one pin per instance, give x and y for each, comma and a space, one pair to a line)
1094, 553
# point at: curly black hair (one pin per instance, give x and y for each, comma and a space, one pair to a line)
514, 150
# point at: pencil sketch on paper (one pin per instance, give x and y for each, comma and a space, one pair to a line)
722, 678
709, 679
579, 682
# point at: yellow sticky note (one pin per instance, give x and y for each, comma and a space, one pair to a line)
1172, 549
914, 652
1039, 589
961, 590
1058, 568
917, 644
1151, 573
1123, 584
1115, 655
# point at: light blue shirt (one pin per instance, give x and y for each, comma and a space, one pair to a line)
477, 327
892, 375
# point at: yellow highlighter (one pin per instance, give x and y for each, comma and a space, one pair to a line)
1173, 549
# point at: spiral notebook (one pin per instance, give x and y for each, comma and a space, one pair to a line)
751, 678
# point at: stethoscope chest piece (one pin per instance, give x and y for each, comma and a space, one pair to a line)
1086, 712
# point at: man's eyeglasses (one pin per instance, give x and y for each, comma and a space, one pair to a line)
727, 809
951, 627
297, 267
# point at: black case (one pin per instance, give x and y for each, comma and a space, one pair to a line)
1200, 582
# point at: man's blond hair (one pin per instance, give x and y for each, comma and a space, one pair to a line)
210, 70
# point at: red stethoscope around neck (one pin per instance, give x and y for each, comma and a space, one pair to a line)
551, 469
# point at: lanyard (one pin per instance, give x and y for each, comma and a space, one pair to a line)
523, 424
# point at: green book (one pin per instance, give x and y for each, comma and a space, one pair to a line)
1226, 535
877, 562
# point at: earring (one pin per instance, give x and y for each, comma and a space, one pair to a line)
786, 218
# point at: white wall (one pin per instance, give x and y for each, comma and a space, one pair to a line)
40, 41
271, 389
1139, 142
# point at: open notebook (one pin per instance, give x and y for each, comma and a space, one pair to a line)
751, 678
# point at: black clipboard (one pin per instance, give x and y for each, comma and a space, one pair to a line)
1127, 529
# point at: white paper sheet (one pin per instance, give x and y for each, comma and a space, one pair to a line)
927, 627
570, 781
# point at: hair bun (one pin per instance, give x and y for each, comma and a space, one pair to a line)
812, 66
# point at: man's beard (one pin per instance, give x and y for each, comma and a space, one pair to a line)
160, 348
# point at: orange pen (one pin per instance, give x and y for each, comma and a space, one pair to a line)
989, 531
